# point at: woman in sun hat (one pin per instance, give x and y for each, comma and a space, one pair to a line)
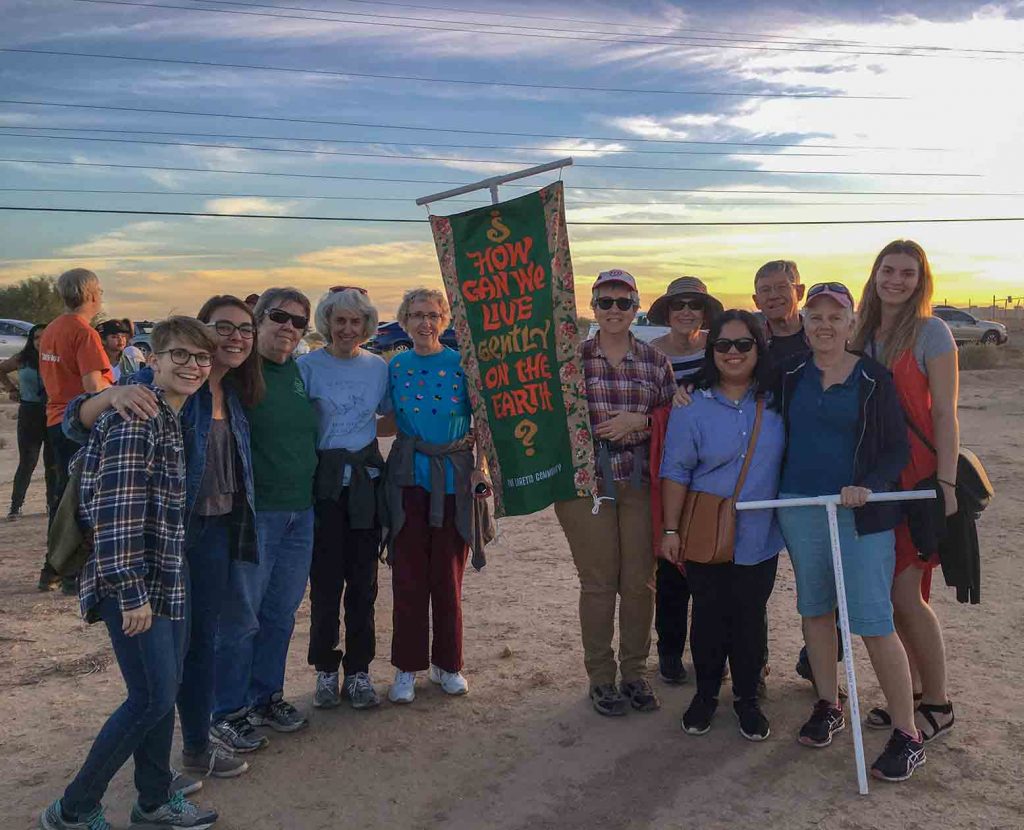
689, 310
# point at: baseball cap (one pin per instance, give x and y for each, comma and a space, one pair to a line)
836, 290
615, 275
109, 327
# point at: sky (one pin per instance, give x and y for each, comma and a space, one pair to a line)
918, 104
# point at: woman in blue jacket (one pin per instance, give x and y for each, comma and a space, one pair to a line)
846, 434
219, 503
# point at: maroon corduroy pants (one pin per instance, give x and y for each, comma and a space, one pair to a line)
429, 563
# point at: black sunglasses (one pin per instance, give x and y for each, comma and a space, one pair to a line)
335, 289
225, 328
743, 345
694, 304
181, 357
837, 287
280, 316
621, 303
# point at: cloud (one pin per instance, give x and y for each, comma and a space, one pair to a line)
249, 205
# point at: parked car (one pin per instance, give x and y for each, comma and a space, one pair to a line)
641, 327
13, 336
391, 337
967, 328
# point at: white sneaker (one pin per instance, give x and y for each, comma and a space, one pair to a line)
452, 682
403, 689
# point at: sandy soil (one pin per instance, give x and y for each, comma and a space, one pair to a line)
524, 749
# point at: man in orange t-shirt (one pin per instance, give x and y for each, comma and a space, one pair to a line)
72, 360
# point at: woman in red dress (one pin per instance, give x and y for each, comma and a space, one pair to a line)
896, 327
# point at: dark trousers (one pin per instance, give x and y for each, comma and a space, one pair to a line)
672, 611
429, 563
32, 437
729, 622
64, 450
208, 554
143, 726
344, 570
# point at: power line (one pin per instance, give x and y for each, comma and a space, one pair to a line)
250, 137
416, 128
461, 81
406, 199
406, 157
784, 38
527, 186
695, 42
368, 219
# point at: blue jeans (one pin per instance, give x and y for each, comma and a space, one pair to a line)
258, 615
208, 554
143, 725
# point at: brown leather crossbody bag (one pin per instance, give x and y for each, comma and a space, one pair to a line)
707, 527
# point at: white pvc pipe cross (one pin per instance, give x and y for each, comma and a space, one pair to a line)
831, 503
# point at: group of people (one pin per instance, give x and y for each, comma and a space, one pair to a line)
222, 476
830, 399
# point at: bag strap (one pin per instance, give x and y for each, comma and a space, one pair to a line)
750, 449
916, 430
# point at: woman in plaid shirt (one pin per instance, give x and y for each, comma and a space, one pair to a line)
132, 498
626, 380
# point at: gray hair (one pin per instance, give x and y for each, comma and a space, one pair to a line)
351, 299
778, 266
72, 285
273, 297
596, 292
416, 295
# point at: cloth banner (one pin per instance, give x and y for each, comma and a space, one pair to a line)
508, 276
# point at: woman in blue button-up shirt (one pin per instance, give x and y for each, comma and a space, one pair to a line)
705, 447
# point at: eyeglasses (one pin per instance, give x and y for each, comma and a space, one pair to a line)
621, 303
743, 345
181, 357
281, 317
430, 316
337, 288
836, 287
694, 304
225, 328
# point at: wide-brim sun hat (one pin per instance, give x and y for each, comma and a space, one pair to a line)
684, 287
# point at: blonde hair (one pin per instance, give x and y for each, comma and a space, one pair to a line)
416, 295
910, 317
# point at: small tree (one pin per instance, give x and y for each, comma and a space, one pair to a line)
34, 300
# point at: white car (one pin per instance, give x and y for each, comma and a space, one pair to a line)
13, 336
967, 328
642, 328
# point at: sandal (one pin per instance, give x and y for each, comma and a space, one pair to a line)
878, 718
928, 711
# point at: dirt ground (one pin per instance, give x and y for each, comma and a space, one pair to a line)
524, 749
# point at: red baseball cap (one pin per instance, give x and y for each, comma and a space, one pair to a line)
615, 275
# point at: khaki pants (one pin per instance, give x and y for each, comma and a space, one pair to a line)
613, 556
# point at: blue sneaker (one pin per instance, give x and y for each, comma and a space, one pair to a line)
177, 812
53, 819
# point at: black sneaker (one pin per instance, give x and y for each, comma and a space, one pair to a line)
608, 700
279, 715
641, 695
753, 724
69, 586
48, 580
826, 719
672, 670
901, 756
697, 720
14, 514
236, 734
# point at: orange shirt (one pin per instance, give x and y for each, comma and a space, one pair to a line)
69, 349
